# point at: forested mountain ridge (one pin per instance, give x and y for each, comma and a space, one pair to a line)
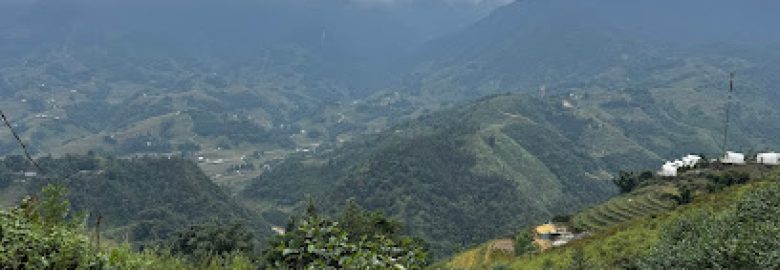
140, 200
530, 44
462, 174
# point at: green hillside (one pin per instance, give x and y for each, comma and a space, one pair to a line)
460, 176
140, 200
648, 226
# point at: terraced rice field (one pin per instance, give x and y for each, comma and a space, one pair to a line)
621, 209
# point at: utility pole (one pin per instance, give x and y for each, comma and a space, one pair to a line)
728, 109
97, 231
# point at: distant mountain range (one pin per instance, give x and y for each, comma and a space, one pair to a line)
279, 99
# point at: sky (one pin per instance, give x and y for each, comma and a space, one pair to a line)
473, 2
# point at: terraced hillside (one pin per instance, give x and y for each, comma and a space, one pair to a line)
622, 230
648, 201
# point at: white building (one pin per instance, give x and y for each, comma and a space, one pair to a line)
678, 163
278, 230
733, 158
668, 170
768, 158
690, 161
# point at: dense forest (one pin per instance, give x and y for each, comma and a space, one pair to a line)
139, 200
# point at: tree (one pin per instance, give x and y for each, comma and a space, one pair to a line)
524, 243
358, 222
37, 235
202, 242
54, 206
317, 242
729, 178
685, 195
626, 181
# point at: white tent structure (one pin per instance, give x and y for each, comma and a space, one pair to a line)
678, 163
733, 158
768, 158
668, 170
690, 161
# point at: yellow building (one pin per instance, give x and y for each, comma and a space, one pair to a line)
551, 235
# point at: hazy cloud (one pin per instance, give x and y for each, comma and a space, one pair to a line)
473, 2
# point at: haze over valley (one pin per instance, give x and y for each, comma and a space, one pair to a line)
459, 121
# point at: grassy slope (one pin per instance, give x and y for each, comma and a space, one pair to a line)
614, 243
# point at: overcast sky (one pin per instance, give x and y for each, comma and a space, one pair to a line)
452, 1
473, 2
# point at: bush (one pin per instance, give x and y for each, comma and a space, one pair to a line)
744, 237
37, 235
314, 242
524, 243
628, 181
42, 234
685, 195
729, 178
203, 242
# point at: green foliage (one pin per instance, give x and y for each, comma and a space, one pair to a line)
40, 234
358, 222
685, 195
143, 199
579, 261
734, 228
211, 240
54, 206
37, 235
500, 266
320, 243
728, 178
237, 130
744, 237
524, 243
628, 181
548, 265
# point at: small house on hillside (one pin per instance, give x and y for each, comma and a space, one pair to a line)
551, 235
768, 158
733, 158
668, 170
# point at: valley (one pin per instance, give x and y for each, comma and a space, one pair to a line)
460, 122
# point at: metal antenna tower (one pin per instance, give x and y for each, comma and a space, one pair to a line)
728, 110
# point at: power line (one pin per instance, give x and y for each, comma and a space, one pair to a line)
19, 140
